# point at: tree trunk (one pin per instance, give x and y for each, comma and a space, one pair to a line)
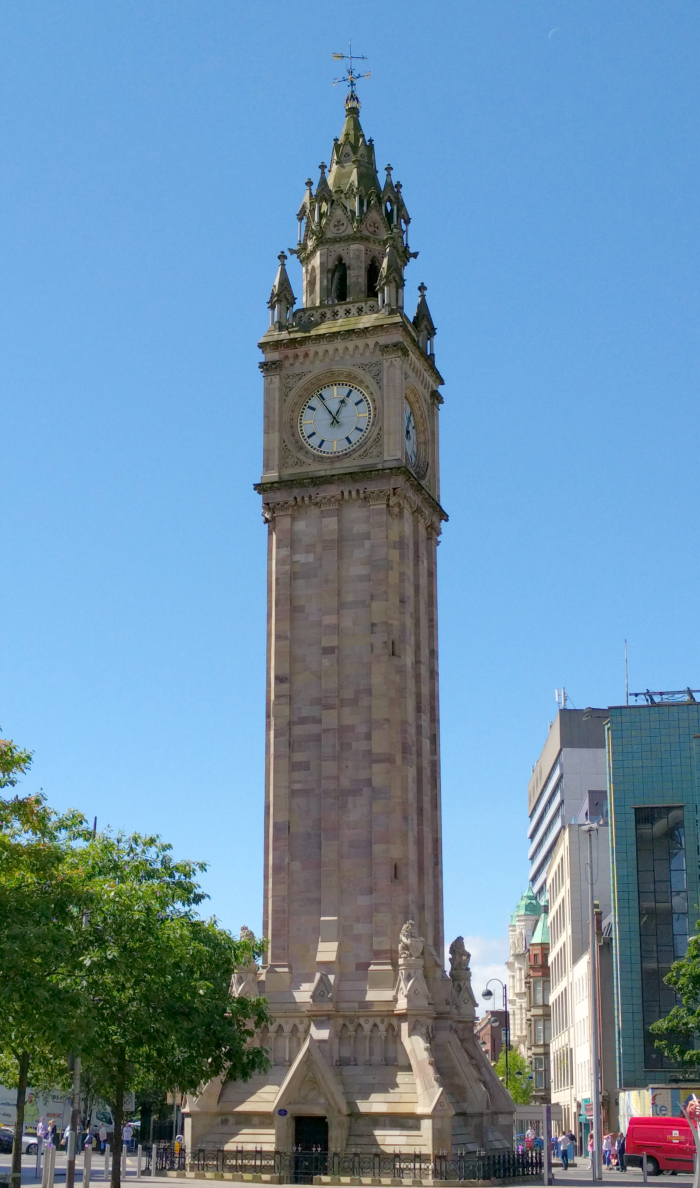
118, 1112
22, 1078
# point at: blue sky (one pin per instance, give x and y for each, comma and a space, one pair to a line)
154, 154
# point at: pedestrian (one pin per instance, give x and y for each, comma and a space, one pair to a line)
127, 1134
42, 1129
555, 1146
103, 1136
64, 1140
564, 1149
607, 1148
529, 1138
51, 1131
89, 1138
621, 1165
591, 1148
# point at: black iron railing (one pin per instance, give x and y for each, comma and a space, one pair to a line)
300, 1167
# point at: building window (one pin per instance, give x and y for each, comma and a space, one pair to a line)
539, 1031
662, 893
539, 1073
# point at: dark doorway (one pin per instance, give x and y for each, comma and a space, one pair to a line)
310, 1148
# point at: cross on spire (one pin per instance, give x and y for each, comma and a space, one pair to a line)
351, 76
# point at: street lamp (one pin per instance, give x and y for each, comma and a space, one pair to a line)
596, 1160
488, 994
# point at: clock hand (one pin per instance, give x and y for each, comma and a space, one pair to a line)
340, 405
330, 414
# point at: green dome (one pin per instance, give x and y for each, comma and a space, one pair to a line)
527, 905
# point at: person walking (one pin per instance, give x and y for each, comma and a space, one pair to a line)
591, 1148
89, 1138
621, 1165
607, 1148
564, 1149
51, 1131
102, 1136
127, 1135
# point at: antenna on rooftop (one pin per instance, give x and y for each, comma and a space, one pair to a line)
627, 688
351, 77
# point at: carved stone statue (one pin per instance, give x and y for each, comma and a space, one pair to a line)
244, 982
410, 943
411, 988
459, 956
462, 979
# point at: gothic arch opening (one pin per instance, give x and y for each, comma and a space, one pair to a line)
376, 1046
311, 287
279, 1046
339, 281
391, 1055
372, 278
294, 1043
345, 1045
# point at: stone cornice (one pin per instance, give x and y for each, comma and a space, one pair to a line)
417, 493
283, 340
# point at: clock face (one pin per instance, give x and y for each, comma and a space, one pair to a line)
335, 419
411, 435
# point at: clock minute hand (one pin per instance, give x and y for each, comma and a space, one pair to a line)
330, 414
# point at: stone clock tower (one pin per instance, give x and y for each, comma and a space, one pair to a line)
373, 1044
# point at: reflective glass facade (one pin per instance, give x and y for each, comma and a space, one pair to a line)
653, 798
663, 912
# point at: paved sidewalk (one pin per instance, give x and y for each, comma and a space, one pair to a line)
578, 1177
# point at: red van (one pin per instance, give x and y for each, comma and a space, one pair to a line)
668, 1143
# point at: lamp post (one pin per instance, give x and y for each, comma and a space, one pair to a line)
489, 994
596, 1161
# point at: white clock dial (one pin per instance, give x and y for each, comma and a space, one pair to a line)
411, 435
335, 419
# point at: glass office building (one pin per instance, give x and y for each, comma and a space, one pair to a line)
653, 754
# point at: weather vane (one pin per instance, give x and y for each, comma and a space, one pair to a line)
351, 77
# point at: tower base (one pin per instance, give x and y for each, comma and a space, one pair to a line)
390, 1079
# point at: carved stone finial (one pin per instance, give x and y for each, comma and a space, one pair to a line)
247, 934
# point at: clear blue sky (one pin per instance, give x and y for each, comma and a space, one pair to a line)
153, 158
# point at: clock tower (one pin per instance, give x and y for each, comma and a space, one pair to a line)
373, 1042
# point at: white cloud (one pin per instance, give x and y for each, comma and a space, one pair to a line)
488, 958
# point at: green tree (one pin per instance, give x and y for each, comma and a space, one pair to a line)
519, 1082
154, 978
39, 904
679, 1032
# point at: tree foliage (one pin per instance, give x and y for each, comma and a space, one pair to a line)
103, 953
519, 1081
679, 1032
